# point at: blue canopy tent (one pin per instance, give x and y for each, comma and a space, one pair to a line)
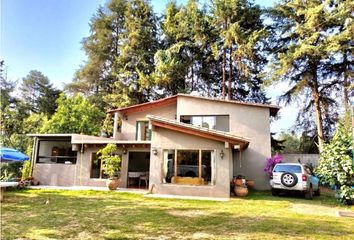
12, 155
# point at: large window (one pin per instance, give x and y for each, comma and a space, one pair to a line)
142, 131
217, 122
188, 167
56, 151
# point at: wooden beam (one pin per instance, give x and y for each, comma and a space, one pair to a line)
175, 167
149, 105
200, 165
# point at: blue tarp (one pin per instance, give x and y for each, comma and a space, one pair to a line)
12, 155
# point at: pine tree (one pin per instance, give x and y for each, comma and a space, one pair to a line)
38, 93
134, 65
96, 77
301, 32
240, 47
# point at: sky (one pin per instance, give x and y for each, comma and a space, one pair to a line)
46, 35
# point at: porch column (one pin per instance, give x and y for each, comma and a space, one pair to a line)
115, 126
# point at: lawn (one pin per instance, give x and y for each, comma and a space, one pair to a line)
114, 215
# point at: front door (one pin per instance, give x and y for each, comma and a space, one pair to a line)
138, 169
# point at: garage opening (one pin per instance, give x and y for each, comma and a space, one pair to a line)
138, 169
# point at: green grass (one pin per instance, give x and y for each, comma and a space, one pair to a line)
113, 215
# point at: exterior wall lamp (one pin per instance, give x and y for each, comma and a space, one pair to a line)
125, 151
222, 154
154, 151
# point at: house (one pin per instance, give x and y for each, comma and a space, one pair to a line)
189, 145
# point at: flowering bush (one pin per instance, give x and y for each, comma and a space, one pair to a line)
271, 163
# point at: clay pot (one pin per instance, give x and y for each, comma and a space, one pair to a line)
238, 182
241, 191
113, 183
250, 184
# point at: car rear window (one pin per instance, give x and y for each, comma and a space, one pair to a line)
287, 168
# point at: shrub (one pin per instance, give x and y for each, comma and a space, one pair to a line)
26, 170
336, 166
110, 161
271, 163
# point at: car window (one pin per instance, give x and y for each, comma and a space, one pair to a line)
287, 168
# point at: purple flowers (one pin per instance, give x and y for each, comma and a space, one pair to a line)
271, 163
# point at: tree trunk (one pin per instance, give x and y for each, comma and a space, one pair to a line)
223, 72
346, 84
192, 76
318, 111
230, 75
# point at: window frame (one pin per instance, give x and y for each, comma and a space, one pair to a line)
175, 161
55, 157
147, 133
209, 115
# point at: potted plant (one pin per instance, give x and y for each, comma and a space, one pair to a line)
240, 180
110, 165
240, 188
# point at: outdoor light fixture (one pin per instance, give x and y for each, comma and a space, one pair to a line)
125, 151
154, 151
222, 154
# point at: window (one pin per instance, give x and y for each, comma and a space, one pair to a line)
189, 165
142, 131
220, 122
288, 168
96, 167
56, 151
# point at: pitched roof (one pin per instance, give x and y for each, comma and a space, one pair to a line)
173, 99
199, 131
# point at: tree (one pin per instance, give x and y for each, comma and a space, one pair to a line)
239, 25
301, 30
179, 65
340, 46
6, 88
74, 115
39, 95
134, 65
336, 167
120, 53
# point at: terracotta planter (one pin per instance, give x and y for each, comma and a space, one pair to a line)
241, 191
113, 183
250, 184
239, 182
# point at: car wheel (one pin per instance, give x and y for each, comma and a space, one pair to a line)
309, 194
288, 179
275, 192
318, 192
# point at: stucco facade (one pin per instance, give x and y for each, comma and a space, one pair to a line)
245, 147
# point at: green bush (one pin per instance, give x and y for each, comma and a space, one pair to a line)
336, 165
26, 170
110, 161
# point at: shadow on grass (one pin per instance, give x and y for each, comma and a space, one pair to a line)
97, 215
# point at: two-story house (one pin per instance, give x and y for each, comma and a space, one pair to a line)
187, 145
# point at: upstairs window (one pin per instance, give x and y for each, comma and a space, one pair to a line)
143, 133
216, 122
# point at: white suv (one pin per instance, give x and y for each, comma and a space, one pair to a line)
294, 177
